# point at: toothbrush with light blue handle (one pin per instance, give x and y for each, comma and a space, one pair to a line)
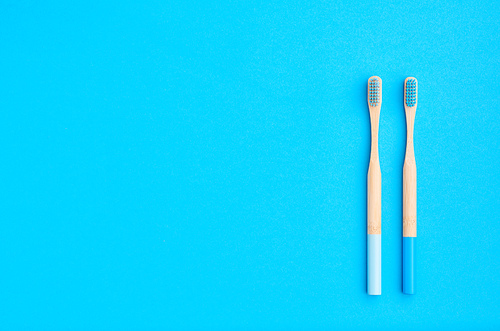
409, 189
374, 193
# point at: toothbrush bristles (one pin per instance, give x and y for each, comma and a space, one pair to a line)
411, 92
374, 95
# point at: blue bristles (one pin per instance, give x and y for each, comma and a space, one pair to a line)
374, 94
411, 92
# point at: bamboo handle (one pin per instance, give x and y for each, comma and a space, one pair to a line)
374, 208
410, 198
410, 180
374, 189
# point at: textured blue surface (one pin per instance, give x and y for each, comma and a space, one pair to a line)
202, 165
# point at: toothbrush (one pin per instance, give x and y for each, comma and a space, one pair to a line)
374, 192
409, 189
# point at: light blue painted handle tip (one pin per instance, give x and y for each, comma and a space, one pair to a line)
374, 264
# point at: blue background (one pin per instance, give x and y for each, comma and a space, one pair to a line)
189, 165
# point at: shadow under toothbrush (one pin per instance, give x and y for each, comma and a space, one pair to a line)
401, 159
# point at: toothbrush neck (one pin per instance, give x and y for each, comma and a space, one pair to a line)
374, 119
410, 120
374, 148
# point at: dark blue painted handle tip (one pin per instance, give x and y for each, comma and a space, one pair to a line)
409, 265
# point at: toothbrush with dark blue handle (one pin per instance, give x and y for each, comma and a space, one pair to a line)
409, 189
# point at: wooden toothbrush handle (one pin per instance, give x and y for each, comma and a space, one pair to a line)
410, 198
374, 190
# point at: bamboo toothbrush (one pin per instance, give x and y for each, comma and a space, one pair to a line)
374, 192
409, 189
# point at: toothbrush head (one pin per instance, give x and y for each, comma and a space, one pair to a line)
374, 91
411, 92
